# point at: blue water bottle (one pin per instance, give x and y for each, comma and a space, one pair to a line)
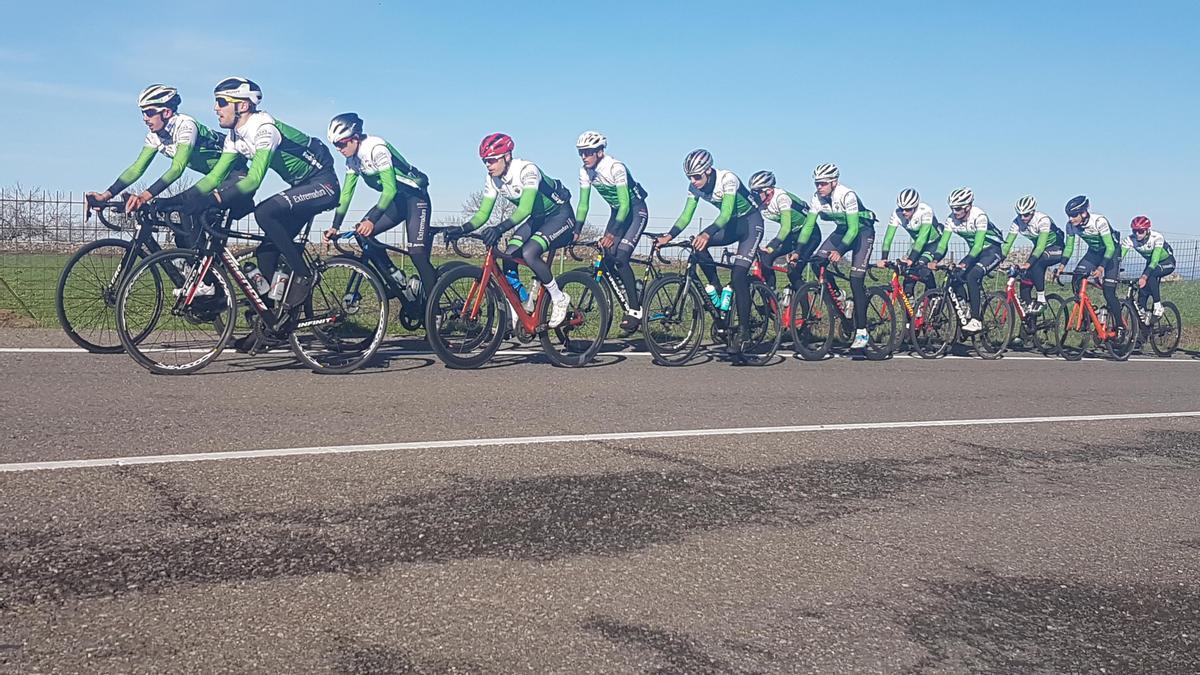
596, 271
726, 299
514, 280
712, 295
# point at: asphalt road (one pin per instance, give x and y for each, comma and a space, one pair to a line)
1066, 546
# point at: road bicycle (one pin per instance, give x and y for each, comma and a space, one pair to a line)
325, 332
821, 315
675, 308
1162, 332
1085, 327
1041, 328
615, 293
467, 318
943, 312
906, 311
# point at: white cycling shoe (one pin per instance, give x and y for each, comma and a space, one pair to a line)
861, 340
973, 326
202, 290
558, 309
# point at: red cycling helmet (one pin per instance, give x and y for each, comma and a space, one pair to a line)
1140, 224
494, 145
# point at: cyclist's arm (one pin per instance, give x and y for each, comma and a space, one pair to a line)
1069, 249
726, 214
218, 173
135, 170
386, 196
944, 242
1008, 243
623, 202
785, 225
1157, 256
1110, 246
585, 198
976, 248
806, 230
343, 206
685, 218
1040, 247
887, 240
922, 240
254, 175
524, 209
183, 152
485, 211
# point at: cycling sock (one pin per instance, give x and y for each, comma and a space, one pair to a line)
555, 292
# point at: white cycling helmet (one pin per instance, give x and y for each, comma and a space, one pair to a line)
159, 96
826, 173
1026, 205
908, 199
239, 88
761, 180
961, 197
697, 162
344, 126
590, 140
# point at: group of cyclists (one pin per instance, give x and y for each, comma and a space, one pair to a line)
234, 164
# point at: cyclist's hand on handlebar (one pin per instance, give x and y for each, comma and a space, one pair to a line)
365, 228
663, 240
330, 234
907, 262
1025, 265
95, 198
834, 257
793, 258
700, 242
881, 263
607, 240
1142, 281
135, 201
490, 235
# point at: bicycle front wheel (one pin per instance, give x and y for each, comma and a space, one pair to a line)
579, 337
1121, 345
465, 322
881, 325
672, 320
159, 328
1048, 325
85, 299
934, 326
997, 319
765, 332
337, 332
812, 320
1077, 335
1166, 330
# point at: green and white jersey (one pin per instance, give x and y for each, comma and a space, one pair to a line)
922, 216
608, 175
974, 222
522, 176
292, 154
376, 156
1094, 231
780, 201
185, 130
1153, 242
841, 203
724, 183
1037, 225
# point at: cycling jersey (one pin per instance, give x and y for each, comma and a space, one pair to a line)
726, 192
923, 228
1154, 249
789, 211
1041, 230
977, 229
268, 144
523, 184
383, 169
616, 185
187, 142
1096, 232
844, 209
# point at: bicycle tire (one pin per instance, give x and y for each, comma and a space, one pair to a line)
813, 322
997, 318
1048, 325
444, 313
218, 310
1121, 346
671, 302
94, 327
934, 326
1077, 332
354, 333
881, 325
578, 339
1166, 332
765, 327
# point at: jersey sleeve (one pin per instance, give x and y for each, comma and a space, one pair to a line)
620, 175
850, 202
585, 181
530, 180
266, 140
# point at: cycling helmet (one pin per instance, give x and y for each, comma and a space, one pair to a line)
908, 199
239, 88
494, 145
1077, 205
344, 126
761, 180
1140, 224
826, 173
159, 96
590, 140
1026, 205
961, 197
697, 162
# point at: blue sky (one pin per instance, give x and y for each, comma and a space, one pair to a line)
1049, 98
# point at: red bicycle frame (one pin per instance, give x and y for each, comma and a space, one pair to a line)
1075, 319
493, 274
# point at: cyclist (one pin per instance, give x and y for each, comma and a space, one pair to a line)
854, 230
738, 222
1160, 262
180, 137
302, 161
793, 240
1047, 251
543, 218
1103, 253
626, 221
972, 224
917, 218
403, 198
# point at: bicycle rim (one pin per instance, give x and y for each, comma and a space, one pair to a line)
813, 320
1048, 325
881, 325
85, 299
335, 333
1166, 331
765, 330
672, 320
933, 326
465, 336
1121, 345
579, 337
1077, 332
997, 319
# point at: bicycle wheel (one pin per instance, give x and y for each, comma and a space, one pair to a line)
998, 322
579, 337
1166, 331
158, 330
672, 320
765, 331
1121, 345
813, 322
1048, 325
1077, 335
332, 335
881, 325
85, 299
934, 327
465, 324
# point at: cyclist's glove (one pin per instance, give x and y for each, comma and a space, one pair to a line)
490, 235
453, 233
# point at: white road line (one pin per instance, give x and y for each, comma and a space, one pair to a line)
568, 438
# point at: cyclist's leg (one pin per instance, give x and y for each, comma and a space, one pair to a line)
749, 233
1086, 265
832, 243
858, 273
392, 216
418, 212
554, 231
512, 247
1037, 272
282, 216
1112, 271
620, 254
1153, 287
803, 253
988, 260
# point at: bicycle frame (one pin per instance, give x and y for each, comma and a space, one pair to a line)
492, 274
1075, 318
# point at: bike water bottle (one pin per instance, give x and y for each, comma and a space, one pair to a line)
278, 284
414, 286
399, 277
596, 270
255, 275
514, 280
726, 298
712, 295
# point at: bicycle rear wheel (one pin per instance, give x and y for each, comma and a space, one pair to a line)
579, 337
465, 323
813, 322
1048, 325
934, 326
1077, 336
997, 319
334, 336
881, 325
765, 332
1121, 345
158, 330
85, 298
672, 320
1166, 331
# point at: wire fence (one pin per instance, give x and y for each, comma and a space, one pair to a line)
39, 232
